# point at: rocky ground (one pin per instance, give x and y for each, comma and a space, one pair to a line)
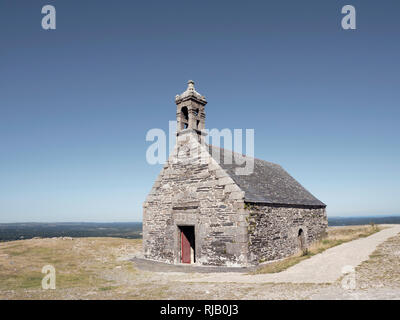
99, 268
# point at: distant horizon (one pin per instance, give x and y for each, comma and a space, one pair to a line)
128, 221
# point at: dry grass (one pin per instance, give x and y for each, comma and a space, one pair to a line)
76, 261
335, 237
382, 269
86, 268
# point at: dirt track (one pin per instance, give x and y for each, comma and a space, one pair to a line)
321, 268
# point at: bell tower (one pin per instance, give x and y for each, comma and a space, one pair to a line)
190, 114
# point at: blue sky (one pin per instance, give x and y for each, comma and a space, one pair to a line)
76, 102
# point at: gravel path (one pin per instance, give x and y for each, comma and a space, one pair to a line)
325, 267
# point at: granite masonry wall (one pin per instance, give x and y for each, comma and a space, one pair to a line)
193, 190
273, 231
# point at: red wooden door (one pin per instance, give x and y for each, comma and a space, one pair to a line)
185, 247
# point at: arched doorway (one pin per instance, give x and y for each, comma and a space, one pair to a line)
301, 240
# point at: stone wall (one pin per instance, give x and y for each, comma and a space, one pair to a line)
193, 190
273, 230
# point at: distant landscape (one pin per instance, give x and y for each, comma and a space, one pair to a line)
19, 231
129, 230
353, 221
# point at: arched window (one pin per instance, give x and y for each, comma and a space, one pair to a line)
185, 113
185, 118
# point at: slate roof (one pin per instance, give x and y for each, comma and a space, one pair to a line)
269, 183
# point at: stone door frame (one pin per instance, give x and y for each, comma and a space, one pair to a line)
184, 219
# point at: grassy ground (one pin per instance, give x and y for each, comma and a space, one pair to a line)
78, 262
98, 268
335, 237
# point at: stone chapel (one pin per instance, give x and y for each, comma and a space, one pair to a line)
201, 211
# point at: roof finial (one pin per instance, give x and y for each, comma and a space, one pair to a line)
191, 85
190, 92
